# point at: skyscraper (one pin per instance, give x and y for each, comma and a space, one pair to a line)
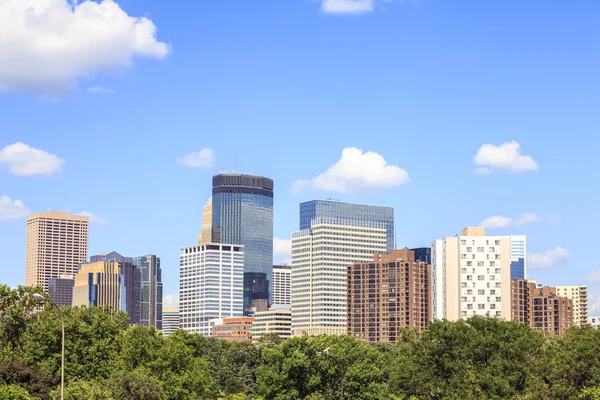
320, 257
389, 292
242, 214
471, 276
60, 290
579, 295
100, 283
349, 214
282, 279
206, 229
131, 284
211, 280
57, 242
518, 260
151, 296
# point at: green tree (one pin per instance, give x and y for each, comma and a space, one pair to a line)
13, 392
84, 390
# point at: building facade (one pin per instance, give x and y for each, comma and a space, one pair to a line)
540, 307
234, 329
277, 321
349, 214
518, 259
131, 284
282, 280
320, 257
57, 242
242, 214
579, 295
595, 322
206, 229
211, 280
470, 275
60, 290
100, 284
388, 293
423, 254
170, 320
151, 290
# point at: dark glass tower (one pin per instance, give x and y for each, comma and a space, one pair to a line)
242, 213
337, 212
151, 290
423, 254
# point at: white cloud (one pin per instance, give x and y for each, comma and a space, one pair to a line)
170, 300
552, 258
24, 160
12, 209
497, 221
594, 277
205, 158
100, 90
46, 45
356, 172
507, 157
94, 219
347, 6
282, 250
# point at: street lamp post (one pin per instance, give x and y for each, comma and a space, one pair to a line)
39, 297
326, 354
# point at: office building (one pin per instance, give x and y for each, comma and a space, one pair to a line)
595, 322
256, 292
242, 214
276, 321
320, 257
236, 329
579, 295
170, 320
388, 293
206, 230
540, 308
470, 275
132, 281
57, 242
100, 284
518, 259
282, 280
422, 254
151, 297
60, 290
211, 280
349, 214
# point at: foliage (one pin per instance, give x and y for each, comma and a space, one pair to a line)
106, 359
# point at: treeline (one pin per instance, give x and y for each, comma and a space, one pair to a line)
481, 358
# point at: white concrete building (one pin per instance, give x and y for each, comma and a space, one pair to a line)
320, 258
170, 320
471, 275
282, 280
211, 278
579, 295
595, 322
277, 321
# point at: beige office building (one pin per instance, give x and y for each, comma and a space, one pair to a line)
57, 242
277, 321
579, 295
320, 258
206, 230
100, 283
471, 276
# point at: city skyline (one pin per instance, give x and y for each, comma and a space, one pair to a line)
451, 129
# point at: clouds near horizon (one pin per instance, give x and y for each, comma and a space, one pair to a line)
558, 257
12, 209
498, 222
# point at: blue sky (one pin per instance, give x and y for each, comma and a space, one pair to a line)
423, 84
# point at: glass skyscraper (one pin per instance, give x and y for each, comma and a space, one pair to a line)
337, 212
518, 251
151, 290
242, 213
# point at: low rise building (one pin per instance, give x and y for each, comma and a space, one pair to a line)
595, 322
276, 321
236, 329
170, 320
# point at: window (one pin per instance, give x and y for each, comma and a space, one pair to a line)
463, 242
469, 263
480, 263
497, 243
464, 284
493, 292
464, 299
480, 277
481, 292
463, 270
481, 306
492, 250
497, 256
469, 249
492, 306
469, 306
469, 277
480, 249
492, 263
498, 299
497, 270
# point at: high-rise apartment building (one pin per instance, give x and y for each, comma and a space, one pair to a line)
151, 290
131, 284
276, 321
57, 242
388, 293
518, 259
282, 280
211, 280
60, 290
242, 214
540, 307
206, 230
579, 295
349, 214
471, 276
170, 320
99, 284
320, 257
